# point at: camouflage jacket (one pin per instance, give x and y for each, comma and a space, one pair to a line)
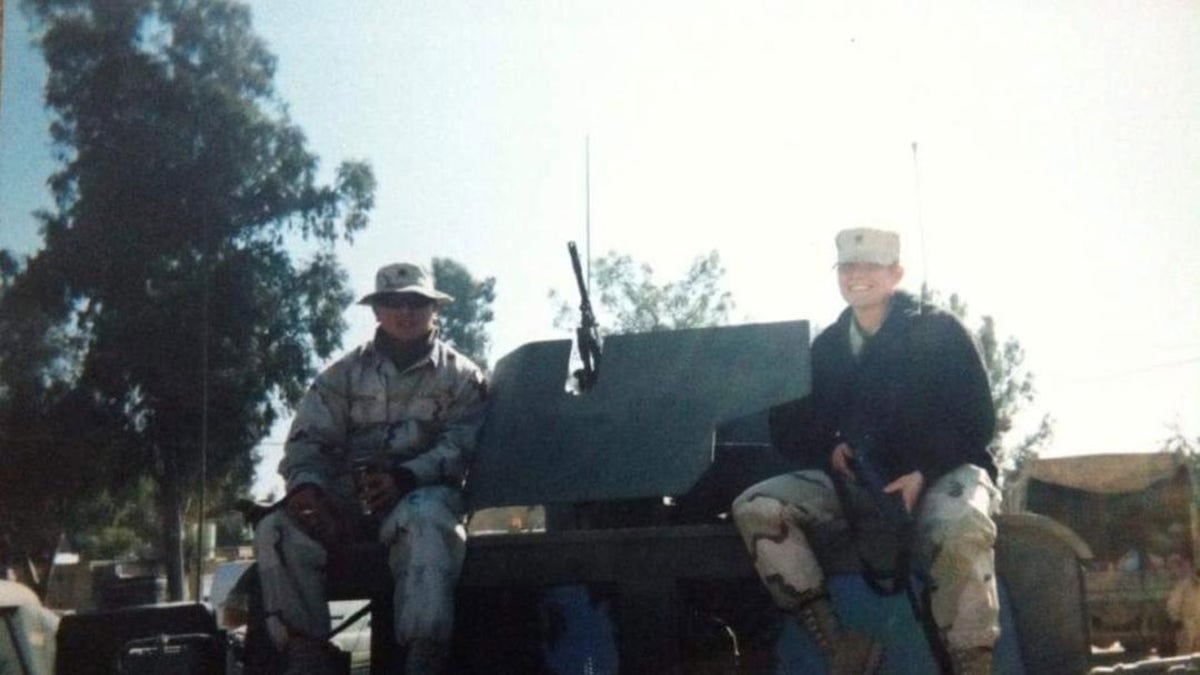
362, 408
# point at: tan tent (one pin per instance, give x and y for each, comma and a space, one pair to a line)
1117, 503
1122, 472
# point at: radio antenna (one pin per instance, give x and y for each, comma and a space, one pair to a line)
587, 204
926, 292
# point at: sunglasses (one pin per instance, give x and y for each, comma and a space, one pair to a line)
404, 302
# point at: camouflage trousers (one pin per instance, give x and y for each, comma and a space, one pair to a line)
955, 538
426, 545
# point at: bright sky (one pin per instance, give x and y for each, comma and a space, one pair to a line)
1058, 162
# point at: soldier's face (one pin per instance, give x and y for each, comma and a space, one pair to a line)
406, 317
866, 285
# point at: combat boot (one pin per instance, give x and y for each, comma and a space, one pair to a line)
971, 661
425, 657
848, 652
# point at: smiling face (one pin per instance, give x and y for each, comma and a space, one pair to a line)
405, 316
867, 286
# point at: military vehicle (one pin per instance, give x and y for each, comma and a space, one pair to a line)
637, 473
1137, 514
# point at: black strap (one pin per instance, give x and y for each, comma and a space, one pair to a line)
900, 579
923, 609
880, 581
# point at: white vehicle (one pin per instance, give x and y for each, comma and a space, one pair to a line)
27, 632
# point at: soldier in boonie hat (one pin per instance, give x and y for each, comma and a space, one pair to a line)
400, 278
379, 447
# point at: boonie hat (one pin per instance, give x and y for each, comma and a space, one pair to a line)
399, 278
867, 245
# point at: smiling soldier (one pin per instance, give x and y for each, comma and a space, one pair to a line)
910, 378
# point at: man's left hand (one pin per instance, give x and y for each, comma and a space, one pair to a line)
379, 491
909, 486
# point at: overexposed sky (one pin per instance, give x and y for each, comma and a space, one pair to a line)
1058, 161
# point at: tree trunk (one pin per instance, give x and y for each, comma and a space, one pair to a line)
171, 513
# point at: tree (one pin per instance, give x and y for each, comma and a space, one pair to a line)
1187, 449
42, 421
1180, 445
627, 300
1012, 390
164, 262
464, 322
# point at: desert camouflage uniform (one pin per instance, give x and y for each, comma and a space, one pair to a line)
425, 419
954, 542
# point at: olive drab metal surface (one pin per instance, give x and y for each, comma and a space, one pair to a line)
645, 428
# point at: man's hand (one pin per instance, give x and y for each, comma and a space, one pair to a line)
841, 454
378, 491
909, 486
305, 502
307, 506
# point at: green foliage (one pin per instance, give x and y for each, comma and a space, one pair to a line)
112, 542
626, 298
164, 288
1012, 388
1188, 450
117, 524
463, 323
1179, 444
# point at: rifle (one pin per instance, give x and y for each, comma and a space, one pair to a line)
866, 470
891, 508
587, 334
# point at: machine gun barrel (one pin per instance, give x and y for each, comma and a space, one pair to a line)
586, 336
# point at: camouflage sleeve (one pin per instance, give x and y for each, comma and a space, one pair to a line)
447, 459
318, 431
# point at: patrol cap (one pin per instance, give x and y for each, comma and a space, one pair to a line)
867, 245
399, 278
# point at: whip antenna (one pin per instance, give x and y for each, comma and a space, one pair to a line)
587, 204
926, 292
